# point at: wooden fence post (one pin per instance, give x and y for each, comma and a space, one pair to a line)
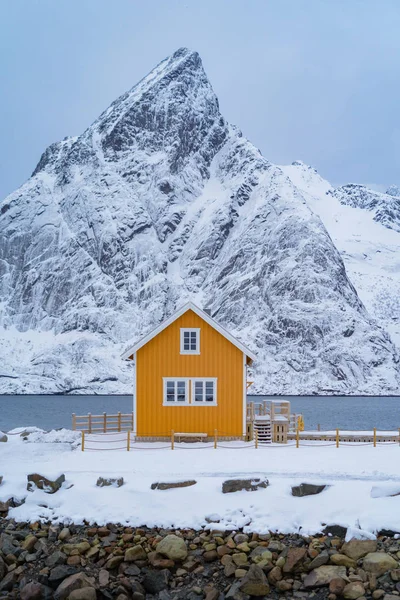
105, 422
90, 422
83, 440
319, 427
119, 421
297, 437
73, 421
215, 438
399, 436
256, 437
172, 439
337, 438
128, 440
374, 437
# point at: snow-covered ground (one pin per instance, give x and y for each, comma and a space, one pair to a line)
361, 480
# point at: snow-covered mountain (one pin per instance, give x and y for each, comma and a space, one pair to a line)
160, 201
365, 227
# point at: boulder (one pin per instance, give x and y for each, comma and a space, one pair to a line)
87, 593
378, 563
43, 483
3, 437
358, 548
72, 583
172, 547
335, 531
172, 485
7, 584
343, 561
110, 481
337, 586
135, 553
156, 581
318, 561
56, 558
260, 554
353, 590
59, 573
249, 485
324, 575
307, 489
294, 558
36, 591
255, 582
160, 562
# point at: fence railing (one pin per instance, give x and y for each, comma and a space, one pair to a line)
104, 423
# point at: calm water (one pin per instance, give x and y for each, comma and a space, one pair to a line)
351, 412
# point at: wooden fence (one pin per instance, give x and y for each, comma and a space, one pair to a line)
102, 423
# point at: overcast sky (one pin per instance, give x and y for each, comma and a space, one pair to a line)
316, 80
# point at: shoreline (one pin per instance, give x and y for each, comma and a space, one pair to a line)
49, 560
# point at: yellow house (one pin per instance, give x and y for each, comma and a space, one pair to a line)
190, 377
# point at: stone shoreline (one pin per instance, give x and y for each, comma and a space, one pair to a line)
41, 561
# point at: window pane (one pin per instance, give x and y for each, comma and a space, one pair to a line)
181, 391
186, 340
170, 391
209, 391
193, 340
198, 391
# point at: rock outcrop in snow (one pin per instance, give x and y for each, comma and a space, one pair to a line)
158, 202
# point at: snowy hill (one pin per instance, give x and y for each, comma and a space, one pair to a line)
160, 201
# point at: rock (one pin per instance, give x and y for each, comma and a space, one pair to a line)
324, 575
210, 556
343, 561
60, 573
260, 554
70, 584
56, 558
7, 545
358, 548
275, 575
105, 482
378, 563
135, 553
7, 584
43, 483
377, 594
353, 590
307, 489
131, 570
156, 581
64, 534
294, 557
3, 568
255, 582
160, 562
104, 578
336, 586
29, 543
395, 575
3, 438
173, 547
284, 586
172, 485
321, 559
335, 531
240, 559
114, 562
36, 591
249, 485
239, 573
86, 593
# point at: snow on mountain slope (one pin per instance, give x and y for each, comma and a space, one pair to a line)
365, 228
160, 201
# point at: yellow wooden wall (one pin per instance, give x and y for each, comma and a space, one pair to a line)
161, 358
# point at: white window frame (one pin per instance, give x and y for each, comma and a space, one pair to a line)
190, 329
175, 402
204, 381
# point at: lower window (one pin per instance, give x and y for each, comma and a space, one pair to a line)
204, 391
176, 391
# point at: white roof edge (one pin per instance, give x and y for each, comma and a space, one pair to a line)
178, 313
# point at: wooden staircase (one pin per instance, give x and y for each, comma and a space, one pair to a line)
263, 427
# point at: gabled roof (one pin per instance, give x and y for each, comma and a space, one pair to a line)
176, 315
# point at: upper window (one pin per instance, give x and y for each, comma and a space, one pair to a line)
190, 341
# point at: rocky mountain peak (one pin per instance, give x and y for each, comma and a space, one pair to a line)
393, 190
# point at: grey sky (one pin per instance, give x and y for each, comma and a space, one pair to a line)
316, 80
